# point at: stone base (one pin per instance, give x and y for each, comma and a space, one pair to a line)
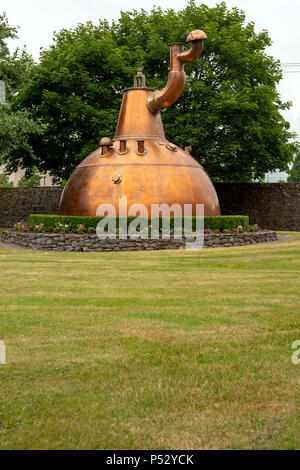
90, 242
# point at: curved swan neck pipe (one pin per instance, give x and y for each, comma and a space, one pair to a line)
176, 50
160, 100
192, 53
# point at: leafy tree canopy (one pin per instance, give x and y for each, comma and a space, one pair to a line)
229, 112
13, 66
295, 171
30, 179
4, 181
16, 126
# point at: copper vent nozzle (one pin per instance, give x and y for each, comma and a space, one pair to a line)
160, 100
105, 144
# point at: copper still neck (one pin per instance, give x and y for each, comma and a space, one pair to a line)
135, 119
160, 100
139, 115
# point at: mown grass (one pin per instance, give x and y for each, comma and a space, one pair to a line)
150, 350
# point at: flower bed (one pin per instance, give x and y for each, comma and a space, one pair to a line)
80, 224
90, 242
66, 224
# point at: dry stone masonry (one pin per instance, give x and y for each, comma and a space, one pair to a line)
18, 203
90, 242
274, 206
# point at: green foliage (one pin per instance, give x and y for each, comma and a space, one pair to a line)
217, 223
56, 181
229, 111
14, 67
222, 223
17, 127
29, 180
76, 91
4, 182
295, 171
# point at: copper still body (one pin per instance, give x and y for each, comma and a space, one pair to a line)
140, 163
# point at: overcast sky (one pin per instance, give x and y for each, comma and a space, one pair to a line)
38, 19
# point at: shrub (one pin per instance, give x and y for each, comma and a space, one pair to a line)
60, 227
29, 181
4, 181
222, 223
39, 228
22, 226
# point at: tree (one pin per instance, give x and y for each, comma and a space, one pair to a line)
14, 66
295, 171
17, 131
4, 181
30, 179
229, 112
17, 127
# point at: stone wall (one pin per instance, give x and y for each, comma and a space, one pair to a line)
18, 203
90, 242
274, 206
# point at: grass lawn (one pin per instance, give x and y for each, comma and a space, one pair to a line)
151, 350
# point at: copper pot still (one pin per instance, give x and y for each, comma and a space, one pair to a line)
140, 163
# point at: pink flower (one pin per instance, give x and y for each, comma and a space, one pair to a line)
207, 230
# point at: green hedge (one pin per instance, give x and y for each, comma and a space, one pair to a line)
216, 223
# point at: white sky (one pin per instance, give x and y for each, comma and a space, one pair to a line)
38, 19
